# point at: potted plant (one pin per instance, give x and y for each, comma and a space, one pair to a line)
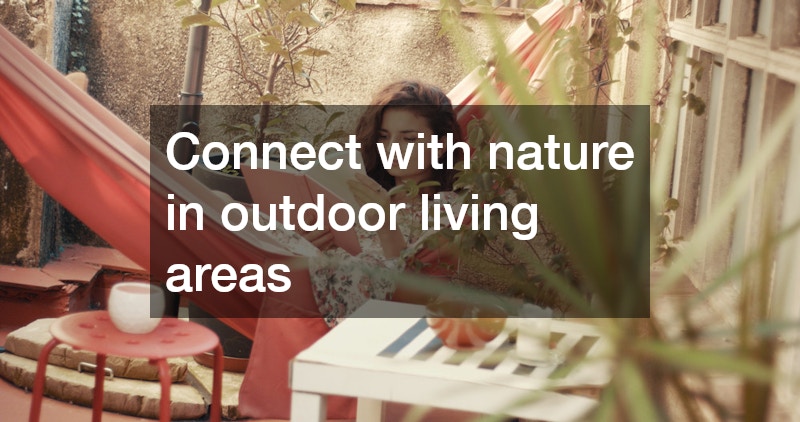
272, 41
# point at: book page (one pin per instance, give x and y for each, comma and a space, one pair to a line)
270, 186
336, 180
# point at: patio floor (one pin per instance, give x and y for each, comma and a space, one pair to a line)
15, 402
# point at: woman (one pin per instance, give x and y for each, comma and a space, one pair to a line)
398, 114
341, 283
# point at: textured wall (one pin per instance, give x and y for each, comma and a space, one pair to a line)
137, 54
135, 58
20, 199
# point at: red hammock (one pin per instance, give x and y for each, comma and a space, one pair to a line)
104, 173
533, 51
107, 175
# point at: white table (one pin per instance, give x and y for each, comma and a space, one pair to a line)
401, 360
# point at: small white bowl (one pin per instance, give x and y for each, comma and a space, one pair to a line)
136, 307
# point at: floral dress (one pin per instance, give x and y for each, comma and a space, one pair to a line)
341, 282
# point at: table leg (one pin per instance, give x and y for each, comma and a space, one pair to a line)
99, 380
39, 379
216, 389
307, 407
165, 378
369, 410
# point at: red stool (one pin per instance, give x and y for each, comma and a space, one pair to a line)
93, 331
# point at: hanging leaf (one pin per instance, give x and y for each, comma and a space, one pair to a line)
199, 19
268, 98
533, 24
316, 104
347, 4
674, 46
287, 5
698, 74
333, 117
251, 8
297, 67
705, 361
274, 131
269, 40
655, 130
302, 18
615, 44
216, 3
314, 52
181, 3
633, 45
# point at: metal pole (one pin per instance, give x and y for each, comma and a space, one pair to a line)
191, 94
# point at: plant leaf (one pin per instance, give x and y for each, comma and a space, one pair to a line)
636, 393
297, 67
268, 98
314, 52
533, 24
333, 117
287, 5
347, 4
705, 361
303, 18
199, 19
672, 204
316, 104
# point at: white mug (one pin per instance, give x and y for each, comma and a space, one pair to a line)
533, 339
533, 333
131, 304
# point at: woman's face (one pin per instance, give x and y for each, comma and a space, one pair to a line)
403, 127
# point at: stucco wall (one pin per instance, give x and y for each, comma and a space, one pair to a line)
137, 54
20, 199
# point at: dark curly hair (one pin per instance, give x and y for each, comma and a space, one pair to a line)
424, 100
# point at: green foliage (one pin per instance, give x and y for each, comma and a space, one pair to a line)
666, 250
79, 36
270, 37
650, 361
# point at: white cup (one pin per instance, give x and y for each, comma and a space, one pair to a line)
533, 339
131, 304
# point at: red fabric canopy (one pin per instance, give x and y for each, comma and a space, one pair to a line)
532, 51
108, 176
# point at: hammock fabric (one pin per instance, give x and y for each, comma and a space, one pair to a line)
108, 176
533, 51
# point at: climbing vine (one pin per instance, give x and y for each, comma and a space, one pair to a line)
78, 36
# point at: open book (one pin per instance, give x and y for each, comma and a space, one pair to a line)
269, 186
